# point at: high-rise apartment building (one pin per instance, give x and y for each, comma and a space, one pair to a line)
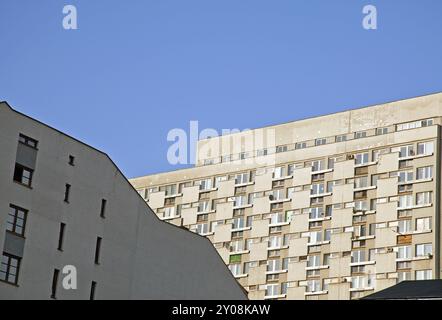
333, 207
67, 212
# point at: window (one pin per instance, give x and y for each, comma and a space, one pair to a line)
327, 235
280, 149
414, 124
23, 175
278, 172
317, 188
202, 228
54, 283
361, 134
262, 152
235, 269
276, 195
328, 210
61, 236
169, 190
16, 221
275, 242
240, 201
252, 197
284, 287
9, 268
326, 259
315, 237
313, 286
404, 276
290, 169
424, 173
272, 290
169, 212
205, 184
66, 192
273, 265
239, 223
316, 213
423, 198
425, 148
341, 138
404, 226
278, 217
381, 131
71, 160
405, 176
404, 252
405, 151
331, 162
313, 261
301, 145
361, 206
97, 250
93, 288
28, 141
423, 224
236, 246
405, 201
358, 256
361, 182
424, 250
360, 231
362, 282
103, 208
320, 141
361, 158
203, 206
242, 178
424, 274
318, 165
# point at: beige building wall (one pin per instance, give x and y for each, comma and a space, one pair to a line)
357, 193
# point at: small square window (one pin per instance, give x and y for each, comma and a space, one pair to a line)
381, 131
361, 134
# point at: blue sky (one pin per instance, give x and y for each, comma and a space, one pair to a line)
136, 69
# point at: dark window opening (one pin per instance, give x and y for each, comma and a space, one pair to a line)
66, 192
23, 175
61, 236
93, 288
54, 284
97, 250
71, 160
103, 208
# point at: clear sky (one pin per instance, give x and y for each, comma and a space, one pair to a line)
136, 69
